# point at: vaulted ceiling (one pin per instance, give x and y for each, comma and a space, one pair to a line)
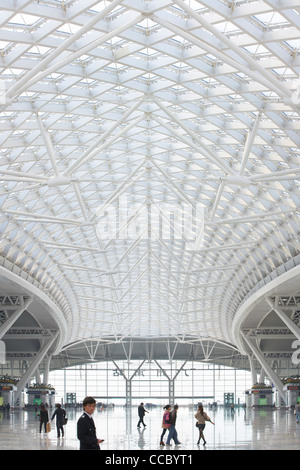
149, 160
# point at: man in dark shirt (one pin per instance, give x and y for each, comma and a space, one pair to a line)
60, 414
86, 430
141, 413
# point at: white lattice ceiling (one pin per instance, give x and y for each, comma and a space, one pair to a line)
154, 104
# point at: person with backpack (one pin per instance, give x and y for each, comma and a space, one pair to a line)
166, 423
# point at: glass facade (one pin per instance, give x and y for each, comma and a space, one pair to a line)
193, 382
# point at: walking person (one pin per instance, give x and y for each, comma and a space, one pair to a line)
44, 418
297, 412
172, 429
141, 413
60, 414
201, 418
166, 423
86, 429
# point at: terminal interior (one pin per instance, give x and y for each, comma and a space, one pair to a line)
246, 430
149, 219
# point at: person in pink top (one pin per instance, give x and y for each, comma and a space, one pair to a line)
166, 423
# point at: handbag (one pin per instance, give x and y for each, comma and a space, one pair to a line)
64, 421
48, 427
166, 418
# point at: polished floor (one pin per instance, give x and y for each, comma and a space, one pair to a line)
244, 430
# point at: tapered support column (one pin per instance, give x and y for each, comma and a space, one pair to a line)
128, 393
38, 379
171, 381
128, 382
46, 371
270, 373
33, 366
171, 391
253, 371
262, 376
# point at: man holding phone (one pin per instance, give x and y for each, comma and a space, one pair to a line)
86, 429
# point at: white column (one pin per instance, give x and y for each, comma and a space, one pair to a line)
46, 371
270, 373
262, 376
38, 376
253, 371
34, 365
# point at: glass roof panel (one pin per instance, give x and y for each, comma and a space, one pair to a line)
111, 110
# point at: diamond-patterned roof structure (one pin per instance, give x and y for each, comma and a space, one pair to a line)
149, 159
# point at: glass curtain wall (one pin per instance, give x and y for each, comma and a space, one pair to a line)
194, 382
